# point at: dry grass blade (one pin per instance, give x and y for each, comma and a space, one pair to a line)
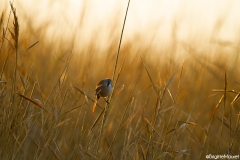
87, 97
191, 123
222, 90
226, 123
155, 89
167, 109
235, 99
225, 89
1, 19
170, 131
180, 76
145, 89
213, 94
1, 24
22, 81
136, 155
170, 94
72, 109
62, 123
152, 126
217, 106
10, 43
16, 139
194, 124
31, 46
144, 152
120, 90
33, 101
130, 118
15, 34
97, 119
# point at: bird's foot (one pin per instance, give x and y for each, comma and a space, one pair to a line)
106, 101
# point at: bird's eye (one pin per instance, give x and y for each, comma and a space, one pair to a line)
108, 83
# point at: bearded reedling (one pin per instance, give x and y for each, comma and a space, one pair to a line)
103, 89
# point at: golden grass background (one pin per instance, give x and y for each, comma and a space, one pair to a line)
43, 115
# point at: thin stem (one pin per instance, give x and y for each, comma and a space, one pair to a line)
120, 42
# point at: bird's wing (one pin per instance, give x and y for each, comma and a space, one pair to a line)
98, 90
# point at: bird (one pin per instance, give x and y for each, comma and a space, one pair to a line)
103, 89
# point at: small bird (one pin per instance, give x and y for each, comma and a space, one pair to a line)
103, 89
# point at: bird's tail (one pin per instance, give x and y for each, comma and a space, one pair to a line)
94, 104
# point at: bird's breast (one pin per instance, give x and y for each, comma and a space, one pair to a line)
105, 91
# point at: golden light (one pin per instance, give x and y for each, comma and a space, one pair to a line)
209, 21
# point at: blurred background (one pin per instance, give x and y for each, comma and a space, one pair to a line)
159, 23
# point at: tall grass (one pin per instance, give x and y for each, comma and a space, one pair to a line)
161, 107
